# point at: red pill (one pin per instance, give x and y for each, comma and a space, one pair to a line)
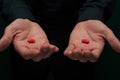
86, 41
31, 40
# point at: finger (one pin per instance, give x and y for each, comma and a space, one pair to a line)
74, 54
82, 57
27, 55
112, 40
52, 49
26, 51
31, 54
56, 49
44, 50
68, 50
77, 55
83, 60
37, 59
6, 39
94, 55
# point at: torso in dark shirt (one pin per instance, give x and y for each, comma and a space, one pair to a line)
57, 17
55, 10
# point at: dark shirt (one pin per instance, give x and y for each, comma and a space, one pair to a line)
57, 10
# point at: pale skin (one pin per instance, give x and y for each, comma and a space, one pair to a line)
97, 33
20, 30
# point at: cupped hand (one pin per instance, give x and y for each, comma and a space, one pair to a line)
97, 33
19, 32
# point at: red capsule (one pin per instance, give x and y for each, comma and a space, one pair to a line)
86, 41
31, 40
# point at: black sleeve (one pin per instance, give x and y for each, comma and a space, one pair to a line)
95, 10
13, 9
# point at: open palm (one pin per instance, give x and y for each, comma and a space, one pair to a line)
22, 30
96, 32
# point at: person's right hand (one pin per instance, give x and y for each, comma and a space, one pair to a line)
19, 31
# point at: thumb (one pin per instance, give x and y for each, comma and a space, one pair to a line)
6, 39
112, 40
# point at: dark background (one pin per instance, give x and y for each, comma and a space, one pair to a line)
107, 67
5, 70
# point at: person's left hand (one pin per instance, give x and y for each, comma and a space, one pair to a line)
96, 32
